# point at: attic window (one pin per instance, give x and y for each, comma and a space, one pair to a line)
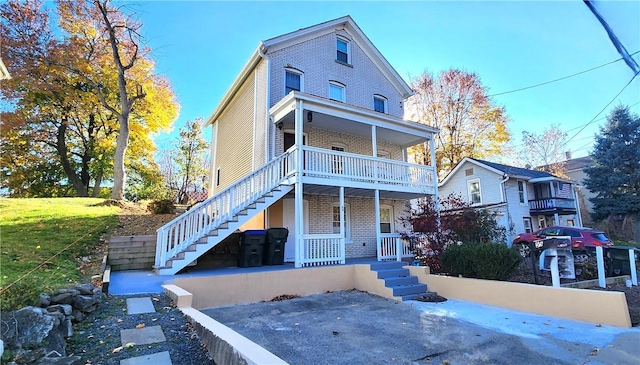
336, 91
380, 103
292, 81
342, 50
468, 172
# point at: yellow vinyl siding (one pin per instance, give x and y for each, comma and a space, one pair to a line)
234, 153
260, 157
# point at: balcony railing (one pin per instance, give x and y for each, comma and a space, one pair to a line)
551, 204
393, 247
338, 165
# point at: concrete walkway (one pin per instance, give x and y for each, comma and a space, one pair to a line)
144, 335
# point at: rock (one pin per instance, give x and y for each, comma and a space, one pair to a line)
26, 328
83, 301
77, 315
28, 357
44, 300
55, 341
71, 360
64, 309
85, 289
62, 298
90, 308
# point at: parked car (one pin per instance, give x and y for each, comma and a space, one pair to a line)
581, 238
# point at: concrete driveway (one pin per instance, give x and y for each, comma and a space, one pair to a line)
352, 327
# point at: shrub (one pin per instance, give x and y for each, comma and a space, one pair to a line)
491, 261
164, 206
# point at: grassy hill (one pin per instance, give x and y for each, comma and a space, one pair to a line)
46, 244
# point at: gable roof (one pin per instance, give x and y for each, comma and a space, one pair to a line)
575, 163
273, 44
511, 171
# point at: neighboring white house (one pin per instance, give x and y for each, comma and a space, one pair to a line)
524, 200
310, 136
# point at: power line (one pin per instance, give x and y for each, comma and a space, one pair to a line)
560, 79
603, 109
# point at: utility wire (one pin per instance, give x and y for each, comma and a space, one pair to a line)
560, 79
603, 109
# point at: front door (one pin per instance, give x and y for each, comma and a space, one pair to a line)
288, 220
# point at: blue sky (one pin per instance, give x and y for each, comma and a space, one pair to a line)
202, 45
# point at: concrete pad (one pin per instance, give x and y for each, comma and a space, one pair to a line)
142, 336
160, 358
140, 305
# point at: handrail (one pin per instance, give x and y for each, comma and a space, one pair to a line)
197, 222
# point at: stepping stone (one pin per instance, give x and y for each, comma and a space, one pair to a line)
140, 305
142, 336
160, 358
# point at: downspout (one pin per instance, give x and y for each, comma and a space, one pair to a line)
503, 190
575, 197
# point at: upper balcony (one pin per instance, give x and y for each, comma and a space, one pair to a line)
363, 167
552, 205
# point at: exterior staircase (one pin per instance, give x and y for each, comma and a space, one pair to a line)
190, 235
398, 279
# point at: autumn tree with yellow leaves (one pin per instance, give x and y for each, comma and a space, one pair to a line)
72, 96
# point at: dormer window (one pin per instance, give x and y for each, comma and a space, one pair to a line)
336, 91
342, 50
292, 81
380, 103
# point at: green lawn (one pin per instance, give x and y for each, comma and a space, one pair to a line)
42, 242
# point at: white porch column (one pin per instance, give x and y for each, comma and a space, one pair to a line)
432, 152
374, 149
578, 213
342, 227
298, 197
376, 204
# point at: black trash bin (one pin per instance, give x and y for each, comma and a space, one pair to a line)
251, 248
274, 247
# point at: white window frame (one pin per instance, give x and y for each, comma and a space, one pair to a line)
347, 221
385, 102
522, 194
341, 86
348, 43
526, 223
469, 193
391, 218
295, 72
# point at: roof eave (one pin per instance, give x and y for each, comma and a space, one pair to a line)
246, 70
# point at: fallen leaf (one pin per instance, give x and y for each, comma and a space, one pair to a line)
140, 326
90, 336
129, 345
156, 299
116, 350
119, 320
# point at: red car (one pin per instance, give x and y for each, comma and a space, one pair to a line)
580, 238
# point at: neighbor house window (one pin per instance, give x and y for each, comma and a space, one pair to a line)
336, 91
527, 224
380, 103
347, 220
473, 187
570, 222
386, 219
342, 50
292, 81
521, 193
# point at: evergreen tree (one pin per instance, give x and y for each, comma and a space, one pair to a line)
615, 177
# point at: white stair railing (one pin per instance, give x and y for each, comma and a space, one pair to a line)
175, 236
393, 247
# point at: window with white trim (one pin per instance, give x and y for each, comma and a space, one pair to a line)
386, 219
338, 161
473, 188
343, 53
336, 91
380, 104
347, 220
522, 195
292, 80
527, 224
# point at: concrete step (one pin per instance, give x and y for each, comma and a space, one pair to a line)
387, 265
400, 280
382, 274
402, 290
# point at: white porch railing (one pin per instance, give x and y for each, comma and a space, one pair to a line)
393, 247
322, 249
320, 162
181, 232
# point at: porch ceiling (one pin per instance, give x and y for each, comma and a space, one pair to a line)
344, 118
314, 189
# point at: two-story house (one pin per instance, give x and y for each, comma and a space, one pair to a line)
524, 200
310, 136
